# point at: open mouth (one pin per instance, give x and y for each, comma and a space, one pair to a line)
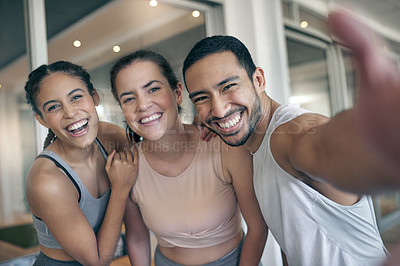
78, 127
150, 119
230, 123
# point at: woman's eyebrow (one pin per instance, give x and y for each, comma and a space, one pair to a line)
69, 94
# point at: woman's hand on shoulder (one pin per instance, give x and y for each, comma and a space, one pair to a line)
122, 168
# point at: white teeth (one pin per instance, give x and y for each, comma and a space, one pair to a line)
150, 118
230, 123
77, 125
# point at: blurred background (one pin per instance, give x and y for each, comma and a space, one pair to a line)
303, 63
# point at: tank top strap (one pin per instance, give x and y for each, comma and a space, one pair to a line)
101, 148
60, 163
283, 114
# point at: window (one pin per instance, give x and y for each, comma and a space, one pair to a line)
350, 76
17, 140
309, 80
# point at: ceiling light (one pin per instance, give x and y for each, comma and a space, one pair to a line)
196, 14
116, 48
77, 43
304, 24
0, 86
153, 3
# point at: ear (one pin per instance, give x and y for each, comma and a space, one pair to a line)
96, 97
179, 93
40, 119
259, 80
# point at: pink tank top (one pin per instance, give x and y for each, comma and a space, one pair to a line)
195, 209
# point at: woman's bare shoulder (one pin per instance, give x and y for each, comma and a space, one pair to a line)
46, 182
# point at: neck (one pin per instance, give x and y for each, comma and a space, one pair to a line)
73, 154
173, 143
268, 107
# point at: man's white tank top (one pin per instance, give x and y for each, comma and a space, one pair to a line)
310, 228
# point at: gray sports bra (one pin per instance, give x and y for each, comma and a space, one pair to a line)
93, 208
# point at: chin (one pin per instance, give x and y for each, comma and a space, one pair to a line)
235, 140
234, 143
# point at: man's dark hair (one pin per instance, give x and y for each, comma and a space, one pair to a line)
219, 44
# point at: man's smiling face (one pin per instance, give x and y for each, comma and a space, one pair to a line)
224, 97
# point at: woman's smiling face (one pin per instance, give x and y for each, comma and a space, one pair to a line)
149, 104
68, 109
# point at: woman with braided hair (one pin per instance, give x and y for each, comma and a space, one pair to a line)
75, 190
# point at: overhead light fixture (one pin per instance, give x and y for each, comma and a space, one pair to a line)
77, 43
116, 49
196, 13
304, 24
153, 3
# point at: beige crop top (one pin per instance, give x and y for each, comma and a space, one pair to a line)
195, 209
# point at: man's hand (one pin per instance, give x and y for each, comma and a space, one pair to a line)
378, 105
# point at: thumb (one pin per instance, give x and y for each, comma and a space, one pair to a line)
355, 34
110, 159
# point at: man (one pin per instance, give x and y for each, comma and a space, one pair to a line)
294, 150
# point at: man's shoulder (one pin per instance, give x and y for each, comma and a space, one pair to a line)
296, 121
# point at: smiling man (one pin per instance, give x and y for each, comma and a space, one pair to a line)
295, 150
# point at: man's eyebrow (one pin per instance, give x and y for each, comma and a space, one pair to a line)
69, 94
193, 94
227, 80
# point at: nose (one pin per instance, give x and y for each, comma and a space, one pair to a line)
219, 106
69, 110
143, 103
